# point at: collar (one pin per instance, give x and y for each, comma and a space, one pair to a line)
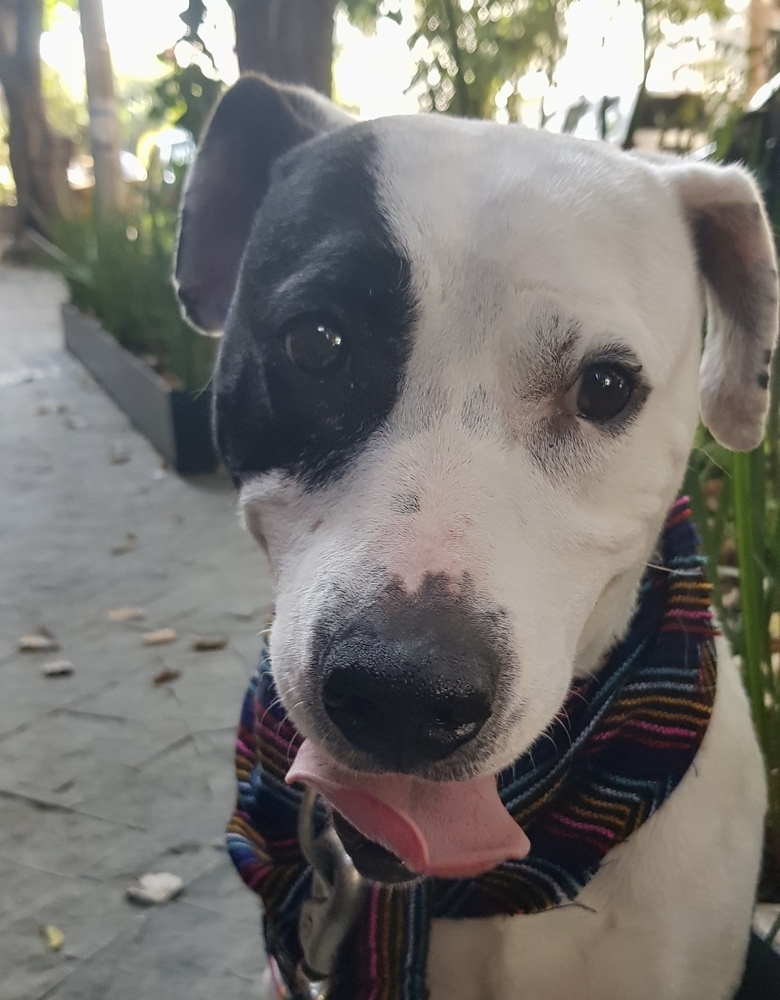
617, 749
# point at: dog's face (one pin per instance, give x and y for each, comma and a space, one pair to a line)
459, 379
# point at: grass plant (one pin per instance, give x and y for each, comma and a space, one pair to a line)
120, 272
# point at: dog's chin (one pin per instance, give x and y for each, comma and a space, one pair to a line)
373, 861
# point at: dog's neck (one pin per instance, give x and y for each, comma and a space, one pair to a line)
654, 695
609, 621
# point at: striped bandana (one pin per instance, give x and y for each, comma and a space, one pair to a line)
617, 749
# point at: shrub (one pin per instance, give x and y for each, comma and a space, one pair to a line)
121, 274
736, 503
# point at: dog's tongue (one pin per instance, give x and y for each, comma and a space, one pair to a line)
449, 829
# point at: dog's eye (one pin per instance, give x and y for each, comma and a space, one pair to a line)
603, 391
313, 344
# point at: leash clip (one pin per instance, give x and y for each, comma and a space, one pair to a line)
337, 893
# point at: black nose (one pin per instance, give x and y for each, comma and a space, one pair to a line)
408, 698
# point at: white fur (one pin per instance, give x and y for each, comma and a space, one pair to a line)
665, 919
666, 916
562, 554
507, 229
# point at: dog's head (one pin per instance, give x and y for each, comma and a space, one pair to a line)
459, 378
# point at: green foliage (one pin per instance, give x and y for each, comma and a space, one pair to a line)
365, 13
66, 116
659, 13
50, 8
184, 97
469, 54
469, 49
121, 273
656, 16
736, 503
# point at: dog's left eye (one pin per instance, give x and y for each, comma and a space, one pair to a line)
603, 391
313, 344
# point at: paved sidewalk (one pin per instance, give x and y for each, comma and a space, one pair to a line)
104, 775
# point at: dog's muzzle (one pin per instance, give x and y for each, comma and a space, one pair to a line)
406, 695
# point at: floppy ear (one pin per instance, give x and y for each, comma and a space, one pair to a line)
251, 127
736, 256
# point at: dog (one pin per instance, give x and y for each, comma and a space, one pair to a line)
459, 378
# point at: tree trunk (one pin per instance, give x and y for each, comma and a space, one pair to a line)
290, 40
636, 114
648, 50
758, 29
103, 121
39, 157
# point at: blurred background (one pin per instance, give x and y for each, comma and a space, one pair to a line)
652, 73
130, 603
103, 102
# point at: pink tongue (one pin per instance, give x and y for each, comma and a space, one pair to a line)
450, 829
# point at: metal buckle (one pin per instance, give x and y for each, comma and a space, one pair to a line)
337, 893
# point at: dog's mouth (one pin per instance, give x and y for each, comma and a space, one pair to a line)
373, 861
397, 827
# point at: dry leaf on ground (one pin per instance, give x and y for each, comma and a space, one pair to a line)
124, 614
129, 542
119, 453
160, 636
243, 614
58, 668
206, 643
38, 643
166, 677
155, 888
53, 937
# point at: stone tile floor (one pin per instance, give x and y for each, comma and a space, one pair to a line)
104, 775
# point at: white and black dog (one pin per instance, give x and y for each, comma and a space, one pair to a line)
459, 379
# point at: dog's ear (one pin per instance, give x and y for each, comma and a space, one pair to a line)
736, 257
253, 124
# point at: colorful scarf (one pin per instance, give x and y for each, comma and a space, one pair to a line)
615, 752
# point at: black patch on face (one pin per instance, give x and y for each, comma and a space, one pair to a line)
253, 124
763, 380
320, 248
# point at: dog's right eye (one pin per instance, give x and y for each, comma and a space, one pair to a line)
313, 344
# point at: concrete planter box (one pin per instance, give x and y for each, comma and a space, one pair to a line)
7, 218
176, 423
